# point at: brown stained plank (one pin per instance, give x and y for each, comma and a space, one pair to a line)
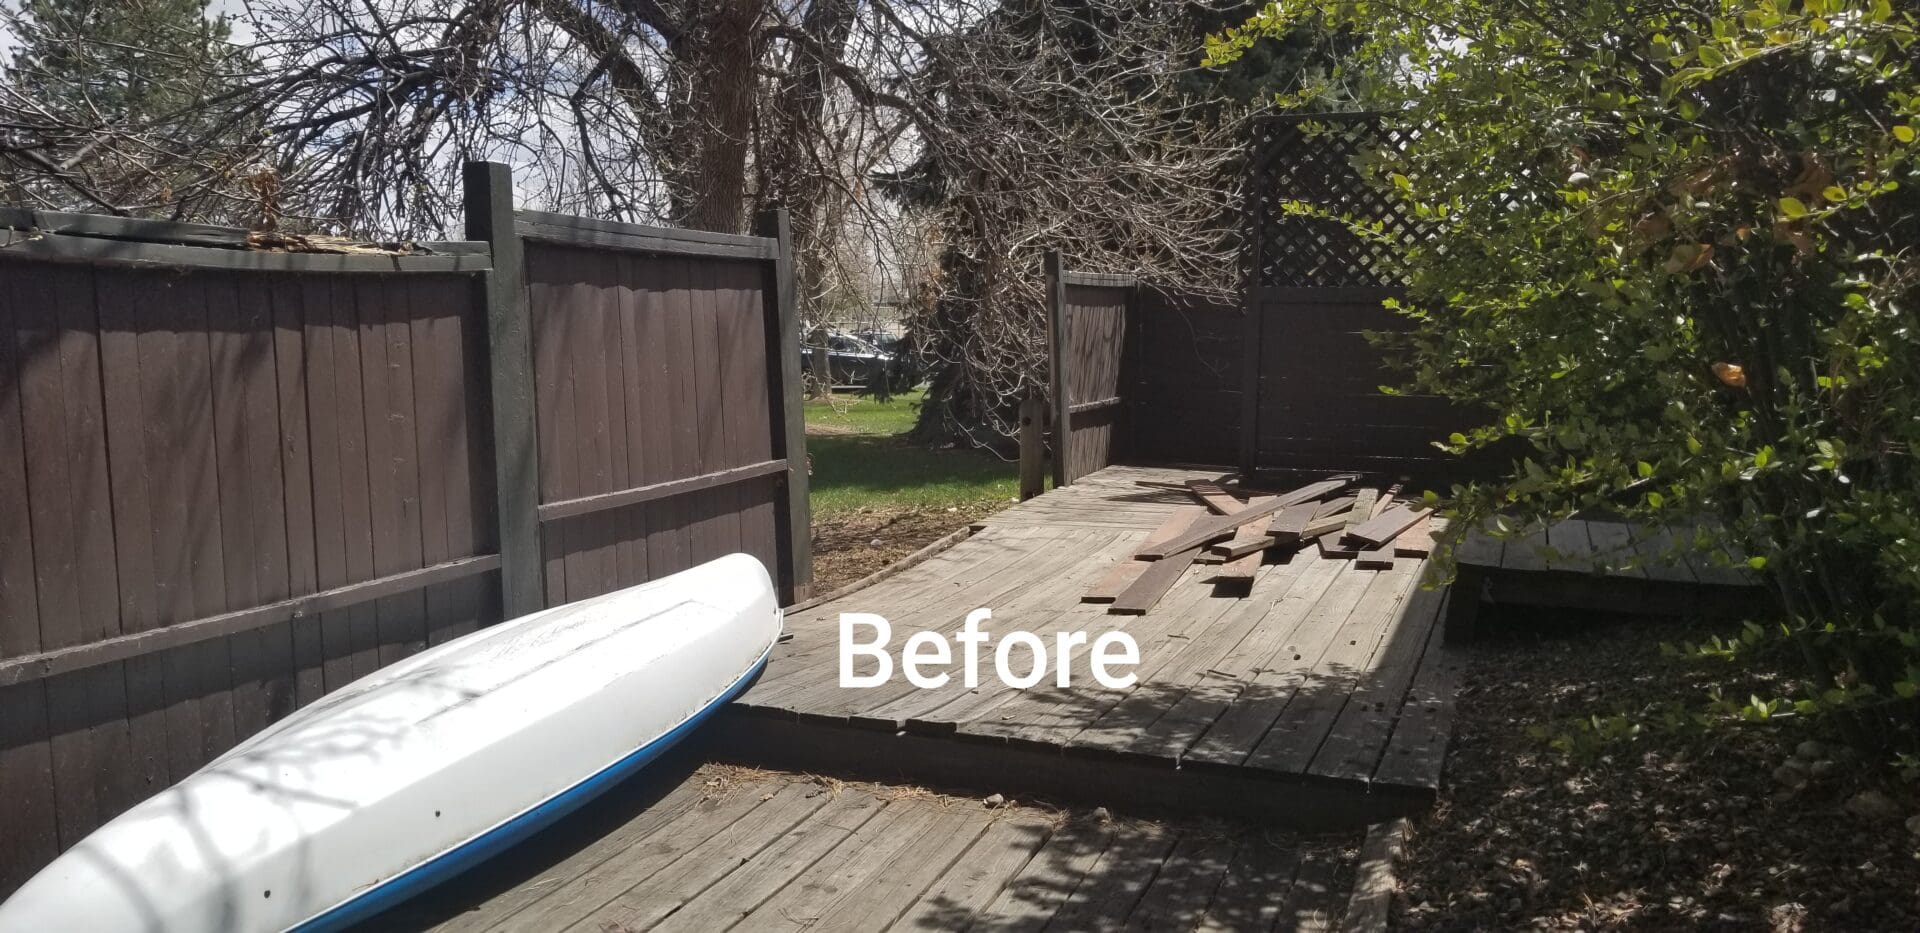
544, 300
1214, 497
649, 424
720, 528
47, 453
660, 893
1254, 892
860, 860
1241, 570
356, 493
684, 392
1049, 878
27, 822
1365, 503
613, 870
1358, 737
970, 886
1116, 883
1302, 727
1290, 522
1388, 524
1141, 595
437, 433
1417, 540
228, 334
19, 599
329, 517
1127, 570
748, 886
1416, 753
1210, 529
1185, 884
297, 467
1312, 623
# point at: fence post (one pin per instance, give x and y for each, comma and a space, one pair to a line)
1033, 446
488, 188
794, 522
1059, 368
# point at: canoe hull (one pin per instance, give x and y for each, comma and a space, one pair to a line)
410, 775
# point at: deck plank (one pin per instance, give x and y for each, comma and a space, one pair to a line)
977, 878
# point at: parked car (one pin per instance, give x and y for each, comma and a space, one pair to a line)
858, 362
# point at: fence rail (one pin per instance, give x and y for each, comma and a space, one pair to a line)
233, 480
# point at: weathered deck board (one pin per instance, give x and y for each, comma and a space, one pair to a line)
1221, 676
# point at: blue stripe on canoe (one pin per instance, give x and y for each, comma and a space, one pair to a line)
443, 867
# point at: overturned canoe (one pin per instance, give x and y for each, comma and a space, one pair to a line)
405, 777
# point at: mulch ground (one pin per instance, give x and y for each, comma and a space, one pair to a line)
1658, 832
850, 545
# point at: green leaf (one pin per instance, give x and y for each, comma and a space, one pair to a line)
1792, 207
1757, 562
1645, 468
1903, 132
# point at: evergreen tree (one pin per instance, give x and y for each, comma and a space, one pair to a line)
121, 104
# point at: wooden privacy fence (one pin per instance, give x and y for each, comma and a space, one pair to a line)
1140, 373
233, 480
1310, 392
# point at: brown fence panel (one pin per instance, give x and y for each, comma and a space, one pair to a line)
229, 482
1310, 387
1182, 382
1088, 319
658, 368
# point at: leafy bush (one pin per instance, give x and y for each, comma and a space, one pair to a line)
1674, 249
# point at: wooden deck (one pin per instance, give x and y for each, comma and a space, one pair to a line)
1324, 680
1597, 566
716, 848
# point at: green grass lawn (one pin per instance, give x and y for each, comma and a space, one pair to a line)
862, 460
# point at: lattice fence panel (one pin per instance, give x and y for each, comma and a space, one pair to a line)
1306, 168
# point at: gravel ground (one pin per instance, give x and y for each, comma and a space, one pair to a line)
850, 545
1660, 832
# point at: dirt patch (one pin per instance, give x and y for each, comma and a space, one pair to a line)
1663, 831
850, 545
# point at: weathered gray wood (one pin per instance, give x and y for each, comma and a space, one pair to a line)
1081, 408
764, 873
1107, 895
1364, 503
1371, 899
977, 877
516, 456
1572, 548
1184, 886
1255, 890
794, 519
1099, 279
1358, 738
1417, 751
611, 234
1030, 900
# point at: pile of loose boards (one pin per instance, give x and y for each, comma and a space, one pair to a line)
1335, 517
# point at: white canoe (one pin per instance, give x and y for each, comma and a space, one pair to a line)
399, 780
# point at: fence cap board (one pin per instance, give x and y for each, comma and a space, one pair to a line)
123, 228
55, 247
612, 234
1099, 280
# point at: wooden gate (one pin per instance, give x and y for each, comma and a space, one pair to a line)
1087, 319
